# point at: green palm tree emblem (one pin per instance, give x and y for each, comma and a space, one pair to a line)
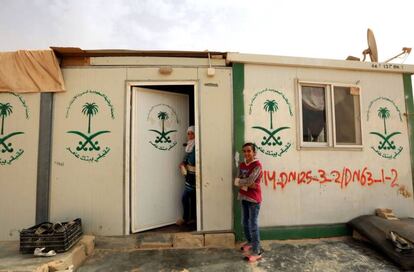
163, 135
271, 106
5, 110
384, 114
90, 109
162, 115
88, 143
385, 143
271, 137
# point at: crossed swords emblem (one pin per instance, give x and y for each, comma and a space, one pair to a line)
270, 137
7, 146
162, 138
386, 142
88, 143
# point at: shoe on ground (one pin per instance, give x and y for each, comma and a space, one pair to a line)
245, 247
253, 257
40, 252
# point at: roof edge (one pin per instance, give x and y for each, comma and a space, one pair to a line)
64, 52
319, 63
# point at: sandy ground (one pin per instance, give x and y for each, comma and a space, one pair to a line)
335, 254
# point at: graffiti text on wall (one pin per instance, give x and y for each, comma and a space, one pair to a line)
9, 152
88, 146
343, 178
386, 146
271, 142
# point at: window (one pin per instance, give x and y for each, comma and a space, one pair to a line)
330, 115
347, 116
314, 114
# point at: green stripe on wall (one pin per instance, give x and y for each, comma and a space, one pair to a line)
408, 94
238, 124
304, 232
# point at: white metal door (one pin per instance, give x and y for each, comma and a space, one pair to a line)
159, 126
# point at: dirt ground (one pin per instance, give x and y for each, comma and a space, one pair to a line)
338, 254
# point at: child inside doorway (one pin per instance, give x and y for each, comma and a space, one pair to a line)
188, 169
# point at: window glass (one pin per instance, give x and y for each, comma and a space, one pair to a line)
314, 114
347, 115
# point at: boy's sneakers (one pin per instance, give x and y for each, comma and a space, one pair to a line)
245, 247
252, 257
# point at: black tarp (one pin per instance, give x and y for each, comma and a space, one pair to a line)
376, 230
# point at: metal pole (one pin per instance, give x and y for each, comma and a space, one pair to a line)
44, 157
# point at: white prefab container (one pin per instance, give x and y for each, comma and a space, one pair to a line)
123, 180
335, 139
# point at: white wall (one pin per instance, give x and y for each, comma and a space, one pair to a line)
94, 191
18, 177
216, 137
316, 203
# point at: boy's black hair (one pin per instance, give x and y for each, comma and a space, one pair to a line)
252, 145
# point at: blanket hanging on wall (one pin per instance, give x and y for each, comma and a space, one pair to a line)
27, 71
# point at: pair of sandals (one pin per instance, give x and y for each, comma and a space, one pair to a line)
248, 256
50, 228
39, 251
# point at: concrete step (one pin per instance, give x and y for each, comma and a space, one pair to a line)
156, 240
185, 240
13, 260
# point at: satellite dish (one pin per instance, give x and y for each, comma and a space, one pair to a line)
372, 47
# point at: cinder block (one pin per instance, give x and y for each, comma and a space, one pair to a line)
57, 265
156, 240
219, 240
89, 242
187, 240
42, 268
78, 256
117, 243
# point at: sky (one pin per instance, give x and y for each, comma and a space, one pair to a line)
315, 29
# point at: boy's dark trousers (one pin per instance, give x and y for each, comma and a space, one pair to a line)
250, 224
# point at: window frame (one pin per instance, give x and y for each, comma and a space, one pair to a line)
328, 134
330, 116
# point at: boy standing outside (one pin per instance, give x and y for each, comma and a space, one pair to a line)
248, 180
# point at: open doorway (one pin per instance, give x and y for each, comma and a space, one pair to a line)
160, 116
